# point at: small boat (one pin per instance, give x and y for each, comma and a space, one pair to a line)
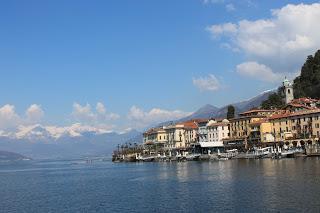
229, 154
287, 154
223, 159
191, 157
147, 158
264, 152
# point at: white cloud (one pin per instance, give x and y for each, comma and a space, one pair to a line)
253, 69
213, 1
259, 71
209, 83
230, 7
34, 113
8, 117
226, 29
84, 114
141, 119
281, 42
100, 108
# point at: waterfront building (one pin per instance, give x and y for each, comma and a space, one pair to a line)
202, 131
190, 133
300, 104
202, 136
155, 135
179, 137
217, 131
154, 139
261, 132
242, 132
150, 136
170, 135
302, 126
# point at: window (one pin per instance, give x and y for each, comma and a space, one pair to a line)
317, 125
289, 91
160, 137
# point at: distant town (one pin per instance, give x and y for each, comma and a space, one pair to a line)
291, 131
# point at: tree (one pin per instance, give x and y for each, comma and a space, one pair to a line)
305, 85
308, 83
231, 112
274, 101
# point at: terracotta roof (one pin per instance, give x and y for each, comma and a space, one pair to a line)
219, 124
299, 105
304, 100
153, 130
256, 110
247, 117
293, 114
263, 120
189, 124
201, 120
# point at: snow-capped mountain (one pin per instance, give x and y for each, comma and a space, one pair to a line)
40, 132
38, 141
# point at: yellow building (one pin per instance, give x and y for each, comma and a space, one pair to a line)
297, 125
245, 130
260, 132
155, 136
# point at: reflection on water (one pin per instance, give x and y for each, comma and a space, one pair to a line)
287, 185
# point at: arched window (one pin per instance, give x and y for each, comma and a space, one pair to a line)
289, 91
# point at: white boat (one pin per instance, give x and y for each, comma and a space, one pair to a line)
287, 153
193, 156
264, 152
147, 158
228, 154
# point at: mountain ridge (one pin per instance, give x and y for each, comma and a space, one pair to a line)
210, 111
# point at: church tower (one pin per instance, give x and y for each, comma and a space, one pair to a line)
288, 90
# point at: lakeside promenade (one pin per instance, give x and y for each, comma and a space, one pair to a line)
290, 131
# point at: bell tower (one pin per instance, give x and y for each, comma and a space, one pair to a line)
288, 91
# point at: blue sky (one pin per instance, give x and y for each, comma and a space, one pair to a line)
143, 60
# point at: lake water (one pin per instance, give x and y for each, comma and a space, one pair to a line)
287, 185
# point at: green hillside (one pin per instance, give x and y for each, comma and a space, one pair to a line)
305, 85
